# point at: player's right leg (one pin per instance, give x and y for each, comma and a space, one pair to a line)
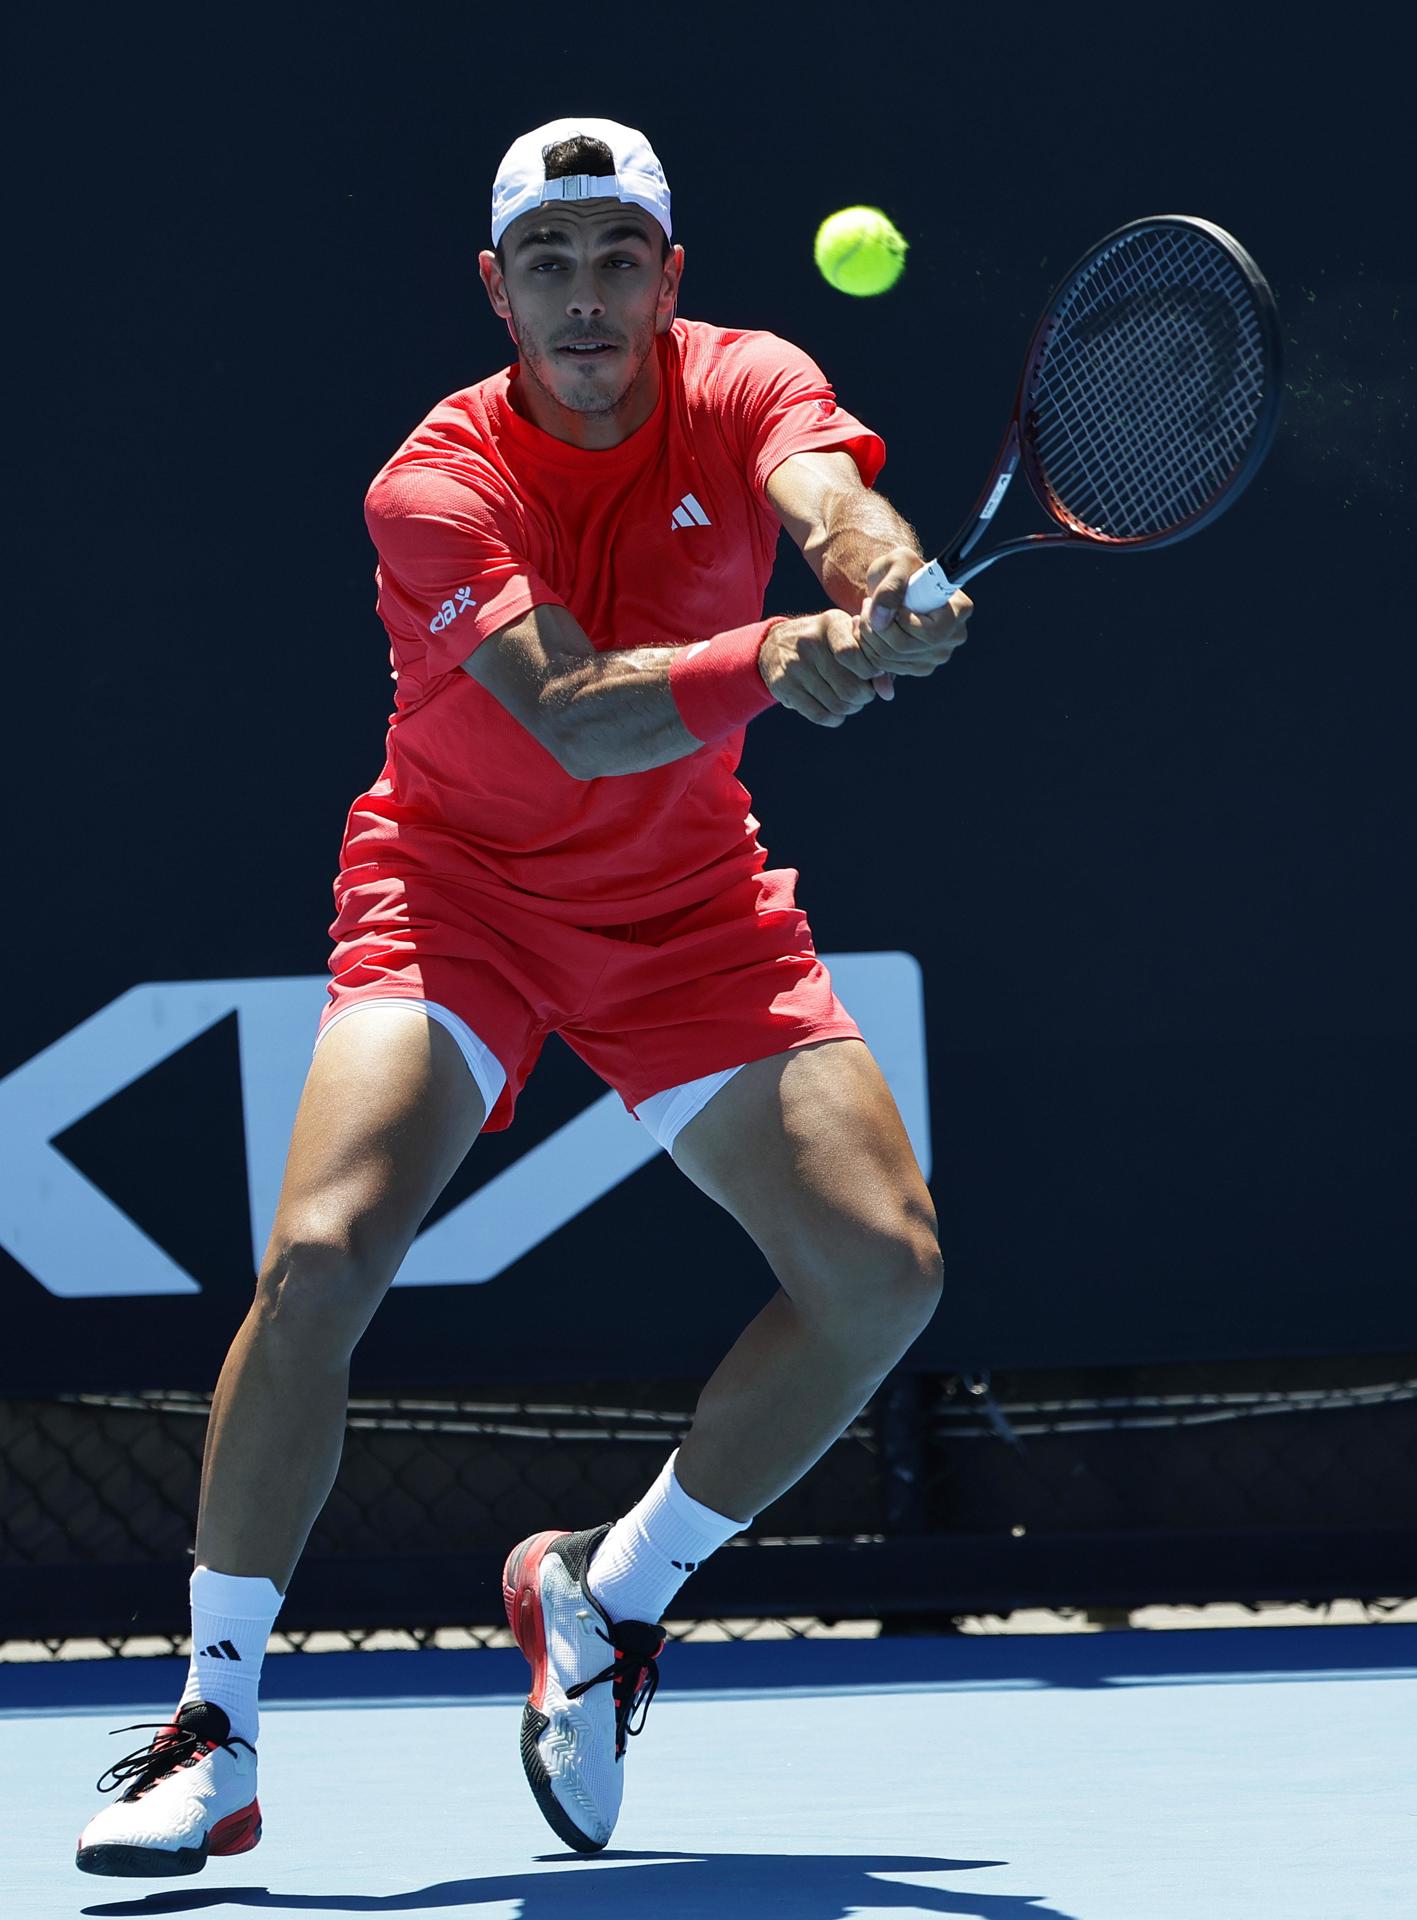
389, 1110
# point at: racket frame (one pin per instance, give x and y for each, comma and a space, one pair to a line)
932, 585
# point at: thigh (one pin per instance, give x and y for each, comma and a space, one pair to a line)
389, 1110
808, 1152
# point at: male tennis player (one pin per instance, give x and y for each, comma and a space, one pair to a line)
572, 561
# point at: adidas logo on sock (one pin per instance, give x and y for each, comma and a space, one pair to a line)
223, 1650
684, 1566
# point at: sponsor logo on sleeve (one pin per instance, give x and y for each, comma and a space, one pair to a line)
462, 602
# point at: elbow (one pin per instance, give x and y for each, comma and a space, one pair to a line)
575, 763
566, 742
558, 722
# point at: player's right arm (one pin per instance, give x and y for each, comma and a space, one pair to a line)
630, 709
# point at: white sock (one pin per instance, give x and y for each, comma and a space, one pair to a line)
645, 1558
232, 1617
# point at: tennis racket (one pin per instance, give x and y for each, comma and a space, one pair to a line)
1149, 398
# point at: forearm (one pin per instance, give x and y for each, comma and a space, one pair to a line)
616, 715
627, 711
858, 528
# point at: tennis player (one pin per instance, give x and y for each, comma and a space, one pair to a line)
572, 560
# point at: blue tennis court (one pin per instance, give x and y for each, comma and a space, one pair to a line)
1249, 1775
577, 1066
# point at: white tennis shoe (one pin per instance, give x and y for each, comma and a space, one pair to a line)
193, 1794
589, 1679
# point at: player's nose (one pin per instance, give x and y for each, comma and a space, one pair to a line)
583, 297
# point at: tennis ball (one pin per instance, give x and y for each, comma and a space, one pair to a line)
859, 250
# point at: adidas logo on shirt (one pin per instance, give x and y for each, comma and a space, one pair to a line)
223, 1650
689, 513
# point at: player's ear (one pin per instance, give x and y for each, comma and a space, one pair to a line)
494, 282
669, 290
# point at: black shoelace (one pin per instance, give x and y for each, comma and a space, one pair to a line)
173, 1748
635, 1679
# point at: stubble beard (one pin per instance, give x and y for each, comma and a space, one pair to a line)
580, 397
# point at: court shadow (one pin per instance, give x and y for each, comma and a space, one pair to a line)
648, 1886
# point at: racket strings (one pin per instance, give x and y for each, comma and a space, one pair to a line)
1145, 420
1145, 370
1180, 416
1144, 426
1150, 387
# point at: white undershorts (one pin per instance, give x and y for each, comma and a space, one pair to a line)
664, 1114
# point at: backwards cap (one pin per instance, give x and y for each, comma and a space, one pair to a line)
521, 182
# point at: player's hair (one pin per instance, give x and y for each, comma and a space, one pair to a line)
580, 154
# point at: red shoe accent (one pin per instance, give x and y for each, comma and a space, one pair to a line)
238, 1833
523, 1603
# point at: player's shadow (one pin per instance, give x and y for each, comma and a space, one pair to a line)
649, 1886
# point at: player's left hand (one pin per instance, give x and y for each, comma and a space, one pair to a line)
895, 640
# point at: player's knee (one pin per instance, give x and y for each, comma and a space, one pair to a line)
912, 1279
882, 1285
318, 1288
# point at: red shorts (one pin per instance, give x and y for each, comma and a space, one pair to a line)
647, 1007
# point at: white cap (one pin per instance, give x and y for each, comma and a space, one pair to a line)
521, 182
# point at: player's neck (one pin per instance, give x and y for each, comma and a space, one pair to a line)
592, 431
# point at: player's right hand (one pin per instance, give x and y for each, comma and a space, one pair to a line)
814, 665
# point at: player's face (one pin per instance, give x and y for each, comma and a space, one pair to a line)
585, 290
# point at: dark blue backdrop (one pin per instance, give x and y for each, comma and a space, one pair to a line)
1150, 837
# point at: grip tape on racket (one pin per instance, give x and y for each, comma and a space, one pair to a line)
931, 587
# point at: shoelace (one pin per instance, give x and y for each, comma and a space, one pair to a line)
173, 1748
635, 1679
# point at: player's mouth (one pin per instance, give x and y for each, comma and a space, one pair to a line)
587, 349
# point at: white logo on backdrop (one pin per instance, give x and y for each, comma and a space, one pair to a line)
79, 1244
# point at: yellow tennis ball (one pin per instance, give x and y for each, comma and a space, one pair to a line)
860, 250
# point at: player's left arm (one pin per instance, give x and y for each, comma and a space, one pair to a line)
864, 553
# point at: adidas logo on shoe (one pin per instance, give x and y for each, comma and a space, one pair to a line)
223, 1650
684, 1566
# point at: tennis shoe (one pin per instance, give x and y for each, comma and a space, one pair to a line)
193, 1794
589, 1680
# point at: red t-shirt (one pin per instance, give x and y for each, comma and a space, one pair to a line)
665, 538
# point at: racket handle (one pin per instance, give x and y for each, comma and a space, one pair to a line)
931, 587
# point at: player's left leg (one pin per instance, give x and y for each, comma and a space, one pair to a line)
807, 1151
